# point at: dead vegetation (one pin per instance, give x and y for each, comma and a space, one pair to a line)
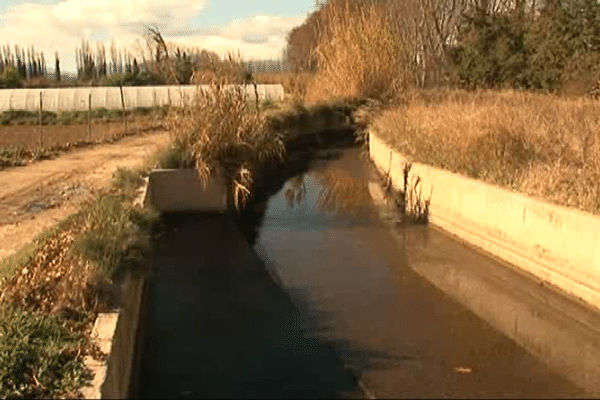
359, 55
62, 281
541, 145
221, 131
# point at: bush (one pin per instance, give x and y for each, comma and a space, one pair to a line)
559, 46
220, 130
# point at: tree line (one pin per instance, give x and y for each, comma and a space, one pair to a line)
152, 61
531, 44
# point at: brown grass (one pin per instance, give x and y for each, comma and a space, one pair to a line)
541, 145
271, 78
360, 54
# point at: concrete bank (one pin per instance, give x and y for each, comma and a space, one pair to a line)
117, 333
554, 244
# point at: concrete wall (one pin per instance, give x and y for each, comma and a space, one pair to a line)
180, 190
556, 244
122, 358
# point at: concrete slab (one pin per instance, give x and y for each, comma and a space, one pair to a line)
180, 190
102, 334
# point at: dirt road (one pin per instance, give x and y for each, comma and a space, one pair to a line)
35, 197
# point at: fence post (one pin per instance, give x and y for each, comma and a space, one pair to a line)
40, 127
90, 117
123, 105
154, 103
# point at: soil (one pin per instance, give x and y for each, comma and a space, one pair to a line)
37, 196
28, 136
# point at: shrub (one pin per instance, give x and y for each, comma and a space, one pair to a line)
10, 79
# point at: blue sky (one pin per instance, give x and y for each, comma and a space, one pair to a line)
255, 28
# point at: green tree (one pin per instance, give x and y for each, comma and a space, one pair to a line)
564, 43
10, 78
492, 51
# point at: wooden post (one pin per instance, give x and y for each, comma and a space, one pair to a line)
90, 118
40, 118
123, 105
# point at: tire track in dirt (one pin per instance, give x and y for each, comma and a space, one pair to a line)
36, 197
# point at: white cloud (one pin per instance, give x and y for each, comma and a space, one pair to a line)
61, 27
262, 36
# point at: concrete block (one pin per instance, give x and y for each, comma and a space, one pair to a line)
180, 190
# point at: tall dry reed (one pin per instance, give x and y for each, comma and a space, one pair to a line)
221, 130
360, 54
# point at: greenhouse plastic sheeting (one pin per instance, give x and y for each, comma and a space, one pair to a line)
77, 99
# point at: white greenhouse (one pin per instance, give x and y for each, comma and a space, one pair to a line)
77, 99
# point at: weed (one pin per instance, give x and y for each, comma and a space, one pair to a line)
172, 156
39, 357
106, 226
128, 180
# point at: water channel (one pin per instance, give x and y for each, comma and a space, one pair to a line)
379, 308
413, 312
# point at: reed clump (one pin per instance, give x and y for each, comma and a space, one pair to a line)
222, 130
360, 53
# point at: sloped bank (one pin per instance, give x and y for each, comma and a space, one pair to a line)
554, 244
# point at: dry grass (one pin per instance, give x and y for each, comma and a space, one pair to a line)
222, 131
271, 78
52, 291
541, 145
360, 54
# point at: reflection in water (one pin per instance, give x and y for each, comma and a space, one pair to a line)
342, 193
377, 301
295, 191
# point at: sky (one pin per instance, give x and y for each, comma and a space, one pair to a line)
255, 28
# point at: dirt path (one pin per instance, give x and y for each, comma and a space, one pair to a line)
35, 197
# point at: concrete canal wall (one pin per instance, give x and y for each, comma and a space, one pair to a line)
554, 244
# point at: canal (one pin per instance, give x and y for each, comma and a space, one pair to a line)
336, 296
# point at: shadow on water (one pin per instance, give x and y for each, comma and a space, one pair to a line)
358, 359
220, 325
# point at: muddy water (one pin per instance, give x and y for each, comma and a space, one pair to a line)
412, 312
